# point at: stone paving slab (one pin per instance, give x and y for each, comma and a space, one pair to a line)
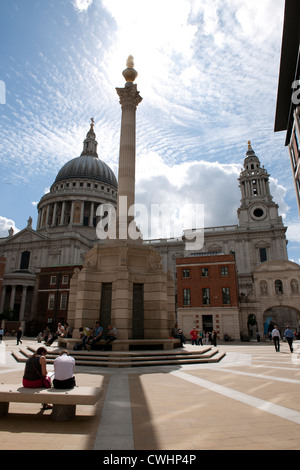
250, 400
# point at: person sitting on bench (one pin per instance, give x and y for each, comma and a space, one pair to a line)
111, 335
64, 366
60, 332
96, 335
36, 371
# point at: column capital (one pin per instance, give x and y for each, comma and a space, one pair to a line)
129, 96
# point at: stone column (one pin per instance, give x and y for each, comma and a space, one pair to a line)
82, 213
72, 213
62, 215
91, 215
38, 225
54, 214
3, 295
23, 302
12, 297
129, 100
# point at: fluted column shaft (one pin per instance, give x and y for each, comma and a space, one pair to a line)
129, 100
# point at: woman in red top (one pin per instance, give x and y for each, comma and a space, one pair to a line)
36, 371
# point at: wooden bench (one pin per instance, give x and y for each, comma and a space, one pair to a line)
64, 401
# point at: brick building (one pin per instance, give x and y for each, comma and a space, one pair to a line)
207, 294
53, 295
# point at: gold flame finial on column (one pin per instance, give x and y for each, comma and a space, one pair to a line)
130, 73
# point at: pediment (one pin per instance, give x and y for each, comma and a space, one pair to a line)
277, 265
27, 235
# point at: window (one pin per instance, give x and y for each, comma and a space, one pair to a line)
293, 158
185, 273
226, 295
224, 270
186, 297
205, 296
263, 254
278, 287
63, 301
25, 257
53, 280
254, 187
204, 272
51, 300
65, 279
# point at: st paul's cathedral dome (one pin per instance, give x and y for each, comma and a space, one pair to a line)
81, 185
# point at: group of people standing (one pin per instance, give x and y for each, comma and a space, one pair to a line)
197, 337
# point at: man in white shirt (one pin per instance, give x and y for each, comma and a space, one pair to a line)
64, 366
276, 338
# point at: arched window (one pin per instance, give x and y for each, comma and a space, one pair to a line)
278, 287
25, 257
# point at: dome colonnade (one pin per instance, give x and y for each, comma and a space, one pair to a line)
81, 185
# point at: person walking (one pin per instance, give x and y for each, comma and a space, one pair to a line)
289, 335
19, 335
276, 338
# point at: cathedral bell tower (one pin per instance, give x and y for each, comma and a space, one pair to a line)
257, 210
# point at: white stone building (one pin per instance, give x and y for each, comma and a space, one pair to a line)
67, 217
259, 244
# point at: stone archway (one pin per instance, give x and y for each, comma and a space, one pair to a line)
281, 316
276, 294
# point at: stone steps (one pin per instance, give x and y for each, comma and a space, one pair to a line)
206, 354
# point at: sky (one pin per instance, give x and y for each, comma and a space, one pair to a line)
207, 73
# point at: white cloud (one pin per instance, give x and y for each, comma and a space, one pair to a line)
82, 5
293, 232
187, 185
5, 225
211, 184
208, 74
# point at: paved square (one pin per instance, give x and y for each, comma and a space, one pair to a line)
249, 400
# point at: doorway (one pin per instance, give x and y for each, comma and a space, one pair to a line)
138, 311
105, 307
